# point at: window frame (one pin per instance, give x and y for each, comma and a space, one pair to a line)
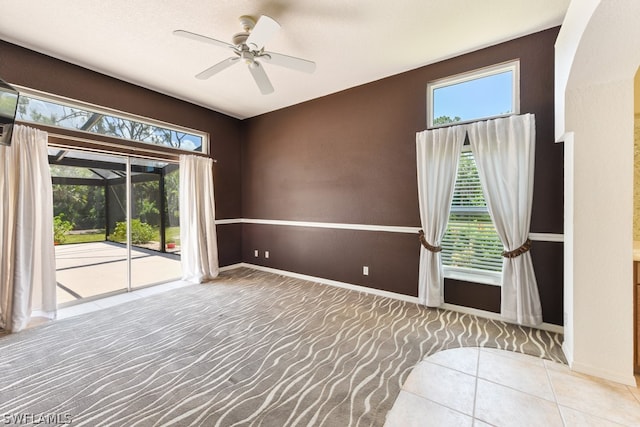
464, 273
93, 108
512, 65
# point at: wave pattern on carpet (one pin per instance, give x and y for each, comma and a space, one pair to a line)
249, 349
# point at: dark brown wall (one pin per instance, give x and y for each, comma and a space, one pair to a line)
337, 254
347, 158
350, 158
30, 69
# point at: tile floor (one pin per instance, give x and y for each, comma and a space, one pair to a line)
487, 387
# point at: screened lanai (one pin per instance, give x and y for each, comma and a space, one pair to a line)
93, 196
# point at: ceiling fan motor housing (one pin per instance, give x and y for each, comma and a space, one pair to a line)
240, 38
247, 23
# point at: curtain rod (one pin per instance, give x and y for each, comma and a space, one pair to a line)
468, 122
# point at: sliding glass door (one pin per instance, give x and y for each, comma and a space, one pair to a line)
89, 200
117, 223
155, 249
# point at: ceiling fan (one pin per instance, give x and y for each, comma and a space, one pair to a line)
248, 47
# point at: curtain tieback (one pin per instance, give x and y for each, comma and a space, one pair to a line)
519, 251
426, 244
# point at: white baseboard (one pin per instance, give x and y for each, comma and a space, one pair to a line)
568, 353
496, 316
466, 310
335, 283
232, 266
626, 379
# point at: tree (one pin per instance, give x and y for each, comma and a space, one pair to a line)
146, 201
172, 192
82, 204
51, 113
443, 120
7, 105
60, 228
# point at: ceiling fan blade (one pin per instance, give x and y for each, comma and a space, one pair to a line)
201, 38
291, 62
265, 28
222, 65
261, 78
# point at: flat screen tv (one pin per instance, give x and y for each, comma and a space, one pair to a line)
8, 108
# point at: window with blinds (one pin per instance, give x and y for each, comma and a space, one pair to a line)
471, 241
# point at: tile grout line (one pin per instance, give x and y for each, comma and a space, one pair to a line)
636, 396
475, 391
519, 391
576, 409
553, 391
498, 383
435, 403
445, 366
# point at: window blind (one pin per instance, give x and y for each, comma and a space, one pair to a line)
471, 240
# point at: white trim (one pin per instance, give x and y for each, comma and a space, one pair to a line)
232, 266
567, 350
513, 66
334, 225
414, 300
493, 278
229, 221
546, 237
543, 237
335, 283
496, 316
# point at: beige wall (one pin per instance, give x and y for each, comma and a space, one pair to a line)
636, 158
599, 170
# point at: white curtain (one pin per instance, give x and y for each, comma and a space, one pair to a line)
198, 244
504, 150
27, 264
437, 151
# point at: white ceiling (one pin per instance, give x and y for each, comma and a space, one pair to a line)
352, 41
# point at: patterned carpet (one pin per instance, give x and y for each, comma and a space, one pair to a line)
250, 349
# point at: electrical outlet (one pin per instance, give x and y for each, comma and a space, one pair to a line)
255, 253
266, 254
365, 270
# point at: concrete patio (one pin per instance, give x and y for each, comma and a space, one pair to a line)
85, 270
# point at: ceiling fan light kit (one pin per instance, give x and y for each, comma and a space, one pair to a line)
248, 46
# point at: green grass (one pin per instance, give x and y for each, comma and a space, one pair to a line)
172, 235
83, 238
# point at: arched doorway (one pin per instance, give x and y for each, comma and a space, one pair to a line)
598, 129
